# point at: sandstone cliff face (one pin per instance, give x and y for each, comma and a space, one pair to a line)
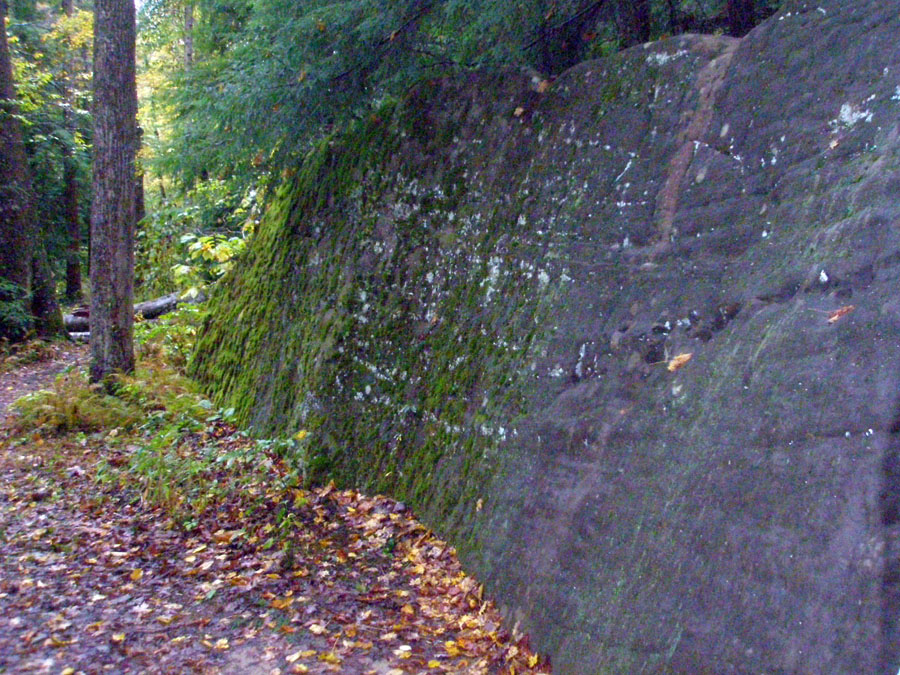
471, 301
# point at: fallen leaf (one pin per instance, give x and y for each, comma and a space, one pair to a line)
838, 314
137, 574
118, 637
518, 112
678, 362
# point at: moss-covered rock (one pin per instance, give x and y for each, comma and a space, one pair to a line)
471, 299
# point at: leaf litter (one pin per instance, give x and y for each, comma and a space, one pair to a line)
267, 579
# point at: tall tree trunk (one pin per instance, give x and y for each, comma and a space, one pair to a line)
15, 185
48, 319
112, 212
70, 193
73, 227
23, 260
188, 35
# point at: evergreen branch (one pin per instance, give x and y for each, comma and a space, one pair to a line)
592, 7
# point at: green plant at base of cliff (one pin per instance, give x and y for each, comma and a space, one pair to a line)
15, 319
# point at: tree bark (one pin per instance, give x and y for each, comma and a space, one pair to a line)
15, 185
73, 227
70, 195
113, 209
23, 260
188, 35
48, 320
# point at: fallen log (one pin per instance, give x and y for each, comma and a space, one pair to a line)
79, 321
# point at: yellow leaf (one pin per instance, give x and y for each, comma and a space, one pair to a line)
222, 644
118, 637
678, 362
408, 610
290, 658
434, 664
316, 629
299, 668
479, 505
518, 112
451, 647
67, 671
300, 435
282, 603
136, 575
532, 660
330, 657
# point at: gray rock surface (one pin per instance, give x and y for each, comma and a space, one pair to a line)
702, 196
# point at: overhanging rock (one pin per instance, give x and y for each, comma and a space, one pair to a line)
473, 300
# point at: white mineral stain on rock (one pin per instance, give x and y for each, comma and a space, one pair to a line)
849, 116
662, 58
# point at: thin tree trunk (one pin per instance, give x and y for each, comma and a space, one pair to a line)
188, 35
140, 209
73, 227
112, 212
70, 194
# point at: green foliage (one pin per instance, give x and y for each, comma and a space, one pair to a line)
187, 244
51, 56
170, 338
273, 76
155, 396
15, 318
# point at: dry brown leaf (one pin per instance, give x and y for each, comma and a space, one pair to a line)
678, 362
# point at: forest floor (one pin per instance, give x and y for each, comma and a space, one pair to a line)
102, 572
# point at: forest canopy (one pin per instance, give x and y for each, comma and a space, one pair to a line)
232, 92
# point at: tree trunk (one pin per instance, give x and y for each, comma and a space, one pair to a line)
188, 35
140, 208
70, 194
48, 320
23, 260
73, 227
15, 184
113, 209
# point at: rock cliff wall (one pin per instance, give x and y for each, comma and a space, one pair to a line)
473, 298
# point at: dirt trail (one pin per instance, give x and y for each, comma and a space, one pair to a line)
94, 580
16, 379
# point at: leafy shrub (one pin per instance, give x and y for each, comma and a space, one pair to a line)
15, 319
